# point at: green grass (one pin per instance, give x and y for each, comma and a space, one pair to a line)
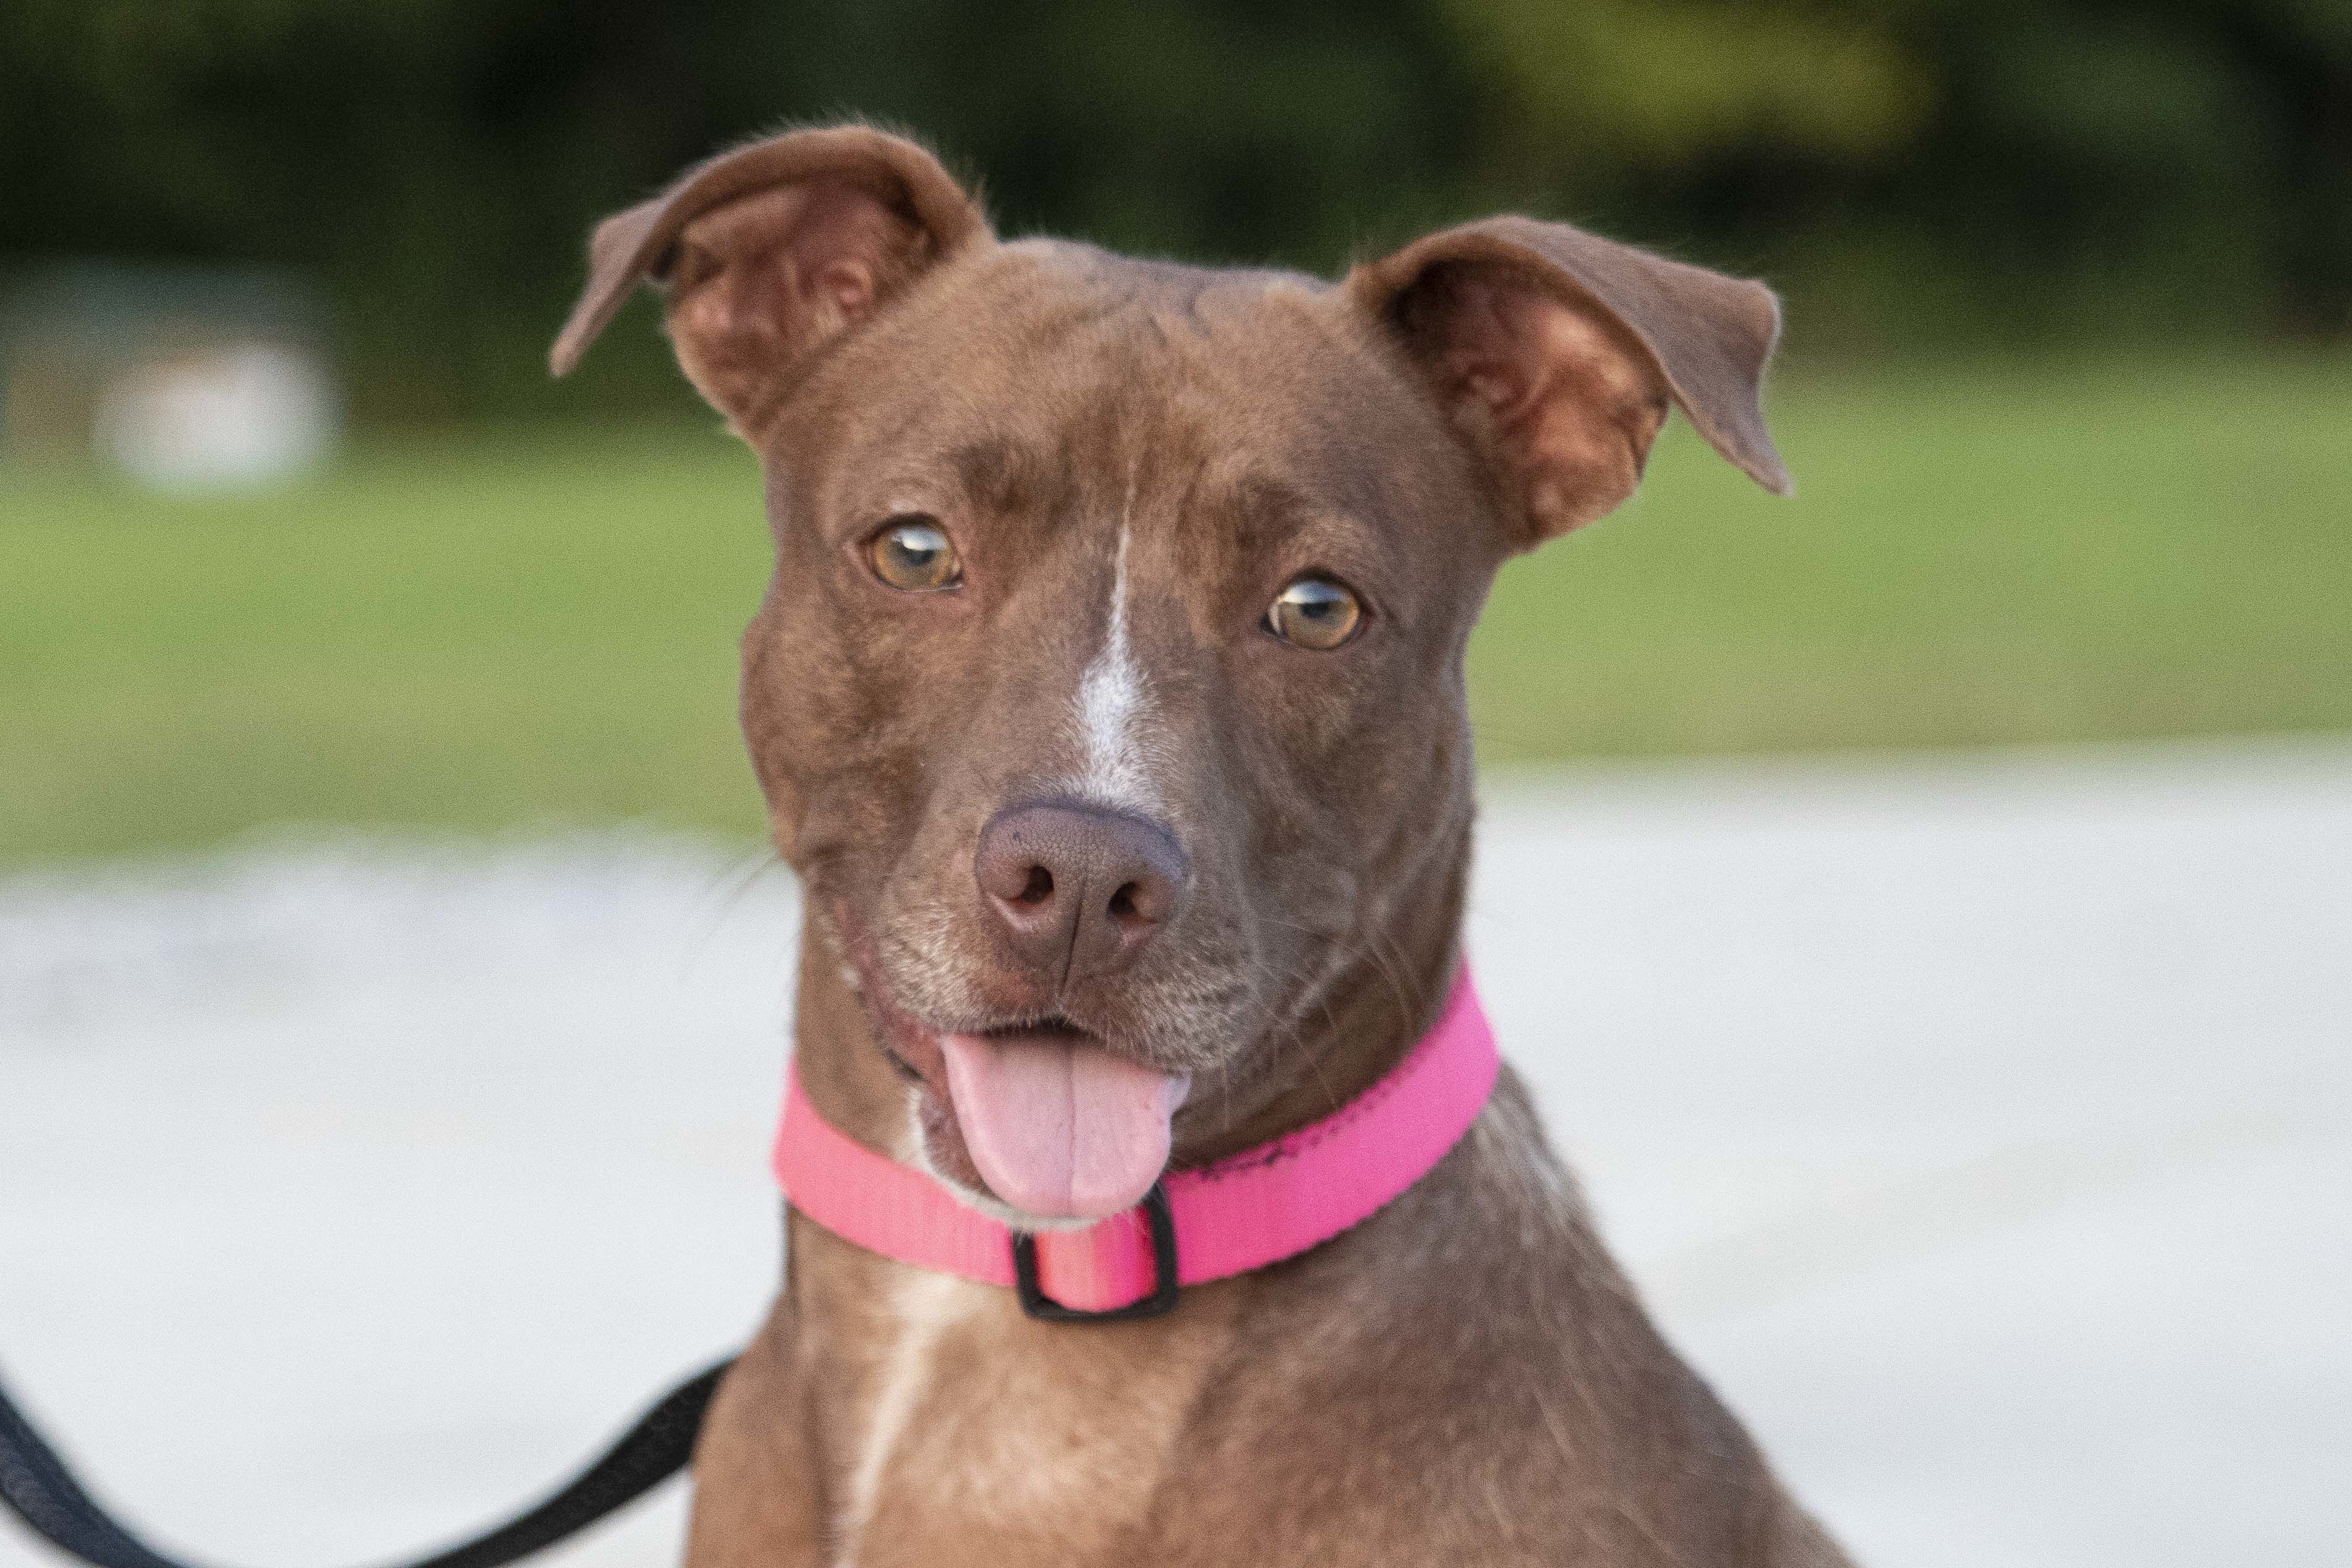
535, 627
1989, 557
510, 630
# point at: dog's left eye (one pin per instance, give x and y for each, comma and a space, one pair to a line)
1315, 612
913, 554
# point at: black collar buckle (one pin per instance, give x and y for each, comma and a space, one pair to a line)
1045, 1310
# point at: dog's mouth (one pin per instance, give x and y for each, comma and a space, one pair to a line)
1036, 1112
1058, 1126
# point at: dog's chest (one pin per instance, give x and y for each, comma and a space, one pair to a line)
983, 1437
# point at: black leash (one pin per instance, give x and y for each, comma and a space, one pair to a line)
39, 1490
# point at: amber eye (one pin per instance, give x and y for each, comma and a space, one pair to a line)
1315, 612
913, 554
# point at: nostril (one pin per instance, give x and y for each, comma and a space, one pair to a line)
1141, 904
1036, 889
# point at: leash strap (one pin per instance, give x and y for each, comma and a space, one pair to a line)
38, 1488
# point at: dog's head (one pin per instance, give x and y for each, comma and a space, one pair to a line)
1107, 693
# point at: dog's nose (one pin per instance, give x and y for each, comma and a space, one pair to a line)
1077, 890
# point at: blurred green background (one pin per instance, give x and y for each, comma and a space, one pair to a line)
2067, 388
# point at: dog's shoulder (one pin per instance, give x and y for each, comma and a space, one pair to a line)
1471, 1369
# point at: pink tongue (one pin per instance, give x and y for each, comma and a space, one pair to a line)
1061, 1131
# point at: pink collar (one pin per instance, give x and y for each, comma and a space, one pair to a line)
1256, 1207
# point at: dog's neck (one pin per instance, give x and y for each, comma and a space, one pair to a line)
1384, 994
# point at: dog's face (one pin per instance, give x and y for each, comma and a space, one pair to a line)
1108, 692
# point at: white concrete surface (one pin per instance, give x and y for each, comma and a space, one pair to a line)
1983, 1128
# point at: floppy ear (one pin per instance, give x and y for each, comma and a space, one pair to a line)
1556, 353
765, 253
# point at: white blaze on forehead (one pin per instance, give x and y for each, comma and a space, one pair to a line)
1113, 706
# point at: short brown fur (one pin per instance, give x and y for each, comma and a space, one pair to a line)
1139, 456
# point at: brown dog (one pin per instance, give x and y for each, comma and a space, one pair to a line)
1093, 573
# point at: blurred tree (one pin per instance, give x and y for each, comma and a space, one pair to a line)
1921, 172
1654, 87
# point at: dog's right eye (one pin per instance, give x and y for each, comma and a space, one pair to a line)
913, 554
1315, 612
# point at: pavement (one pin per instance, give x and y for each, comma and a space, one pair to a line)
1980, 1125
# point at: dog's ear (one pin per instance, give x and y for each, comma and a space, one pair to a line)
1555, 352
765, 253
